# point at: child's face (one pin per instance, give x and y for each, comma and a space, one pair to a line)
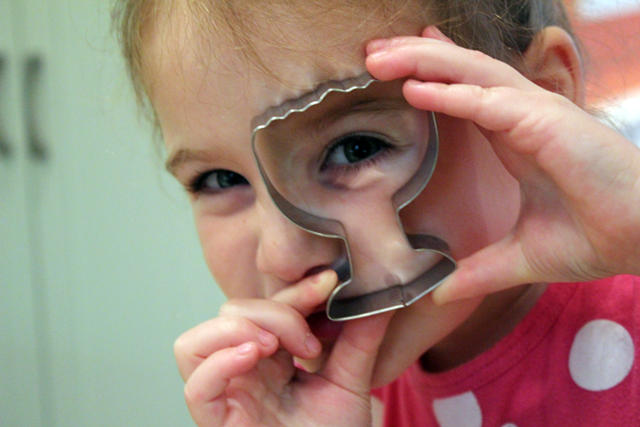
205, 100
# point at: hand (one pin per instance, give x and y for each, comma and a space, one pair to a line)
239, 368
580, 180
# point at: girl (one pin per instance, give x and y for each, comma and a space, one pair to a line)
529, 191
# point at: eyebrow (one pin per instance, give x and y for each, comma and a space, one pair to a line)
317, 124
357, 106
185, 155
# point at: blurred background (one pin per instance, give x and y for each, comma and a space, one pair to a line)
100, 268
609, 31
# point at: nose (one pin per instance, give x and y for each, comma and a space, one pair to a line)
288, 252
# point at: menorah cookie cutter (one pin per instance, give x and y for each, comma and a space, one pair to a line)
390, 297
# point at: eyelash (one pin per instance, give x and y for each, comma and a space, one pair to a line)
386, 148
197, 184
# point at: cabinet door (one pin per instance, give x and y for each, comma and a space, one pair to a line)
19, 370
116, 265
135, 278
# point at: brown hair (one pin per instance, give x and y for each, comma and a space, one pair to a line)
502, 29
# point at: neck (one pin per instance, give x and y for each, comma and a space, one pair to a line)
494, 319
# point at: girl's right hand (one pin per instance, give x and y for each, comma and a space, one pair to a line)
579, 179
239, 369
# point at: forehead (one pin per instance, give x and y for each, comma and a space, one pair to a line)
330, 103
197, 76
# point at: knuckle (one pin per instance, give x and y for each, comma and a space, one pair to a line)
478, 55
494, 95
235, 325
485, 97
229, 308
181, 346
192, 395
291, 313
561, 100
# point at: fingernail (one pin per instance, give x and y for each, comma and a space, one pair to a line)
434, 33
325, 278
244, 348
265, 338
441, 296
299, 365
376, 45
437, 298
312, 344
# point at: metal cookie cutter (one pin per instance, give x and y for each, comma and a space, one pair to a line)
352, 298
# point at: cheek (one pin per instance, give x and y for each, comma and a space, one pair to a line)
229, 246
471, 200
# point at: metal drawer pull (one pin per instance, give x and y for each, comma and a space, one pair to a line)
5, 148
33, 72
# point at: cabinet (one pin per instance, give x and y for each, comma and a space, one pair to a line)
19, 372
100, 268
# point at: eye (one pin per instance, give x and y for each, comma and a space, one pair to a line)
216, 181
354, 148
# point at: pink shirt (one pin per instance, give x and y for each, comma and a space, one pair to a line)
572, 361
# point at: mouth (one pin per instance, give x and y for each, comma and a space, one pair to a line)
327, 331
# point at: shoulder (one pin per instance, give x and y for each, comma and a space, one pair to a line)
621, 280
614, 299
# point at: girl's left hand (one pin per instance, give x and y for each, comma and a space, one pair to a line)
580, 180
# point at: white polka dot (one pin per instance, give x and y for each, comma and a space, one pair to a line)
458, 411
601, 356
510, 425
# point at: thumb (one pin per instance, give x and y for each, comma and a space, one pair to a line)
351, 363
306, 295
494, 268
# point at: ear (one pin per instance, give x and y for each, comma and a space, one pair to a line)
552, 61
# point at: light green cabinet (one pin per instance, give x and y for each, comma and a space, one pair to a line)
20, 378
100, 268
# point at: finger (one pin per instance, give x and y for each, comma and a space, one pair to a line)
235, 325
402, 333
351, 363
306, 295
496, 109
281, 320
197, 344
311, 365
436, 60
205, 390
552, 132
535, 124
494, 268
432, 32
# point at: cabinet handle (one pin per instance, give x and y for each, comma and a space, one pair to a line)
5, 148
33, 73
